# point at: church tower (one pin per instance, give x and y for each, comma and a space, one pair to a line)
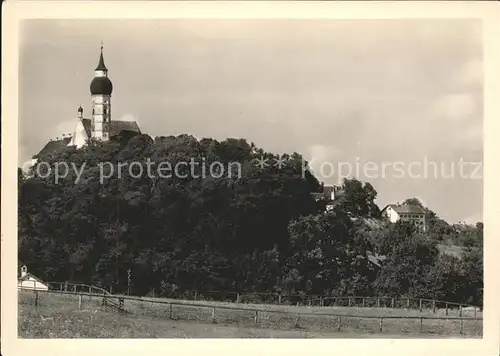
100, 90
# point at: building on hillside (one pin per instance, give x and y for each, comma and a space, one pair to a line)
405, 212
99, 126
26, 280
330, 194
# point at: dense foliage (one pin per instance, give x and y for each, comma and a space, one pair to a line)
235, 228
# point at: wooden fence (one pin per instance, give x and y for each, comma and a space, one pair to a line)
420, 304
336, 321
334, 301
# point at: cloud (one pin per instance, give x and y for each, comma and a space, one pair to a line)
471, 74
128, 117
64, 128
321, 153
456, 106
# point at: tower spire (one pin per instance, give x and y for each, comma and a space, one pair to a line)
101, 65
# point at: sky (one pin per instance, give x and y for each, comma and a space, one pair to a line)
397, 103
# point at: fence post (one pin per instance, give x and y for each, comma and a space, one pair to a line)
170, 311
421, 321
121, 305
297, 321
36, 297
80, 301
407, 303
392, 302
446, 308
378, 302
256, 316
61, 287
460, 310
320, 301
349, 299
237, 297
74, 288
213, 315
475, 313
195, 295
434, 306
380, 324
461, 326
363, 302
420, 305
279, 299
339, 323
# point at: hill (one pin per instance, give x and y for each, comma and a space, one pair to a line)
225, 216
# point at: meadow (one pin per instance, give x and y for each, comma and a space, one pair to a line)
61, 316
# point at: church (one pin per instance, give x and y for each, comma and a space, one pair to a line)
99, 126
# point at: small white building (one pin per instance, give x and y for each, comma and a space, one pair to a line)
329, 194
405, 212
28, 281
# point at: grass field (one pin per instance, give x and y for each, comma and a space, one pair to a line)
57, 316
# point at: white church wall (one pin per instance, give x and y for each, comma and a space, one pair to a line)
79, 137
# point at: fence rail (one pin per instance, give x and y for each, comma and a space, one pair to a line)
339, 301
76, 287
294, 299
221, 312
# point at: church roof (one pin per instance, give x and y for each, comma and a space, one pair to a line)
116, 127
53, 147
56, 146
28, 276
87, 125
119, 126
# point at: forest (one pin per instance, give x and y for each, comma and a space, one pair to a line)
260, 230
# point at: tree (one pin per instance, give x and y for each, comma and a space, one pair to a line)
359, 199
189, 230
408, 258
257, 229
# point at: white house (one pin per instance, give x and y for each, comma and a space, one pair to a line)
405, 212
28, 281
